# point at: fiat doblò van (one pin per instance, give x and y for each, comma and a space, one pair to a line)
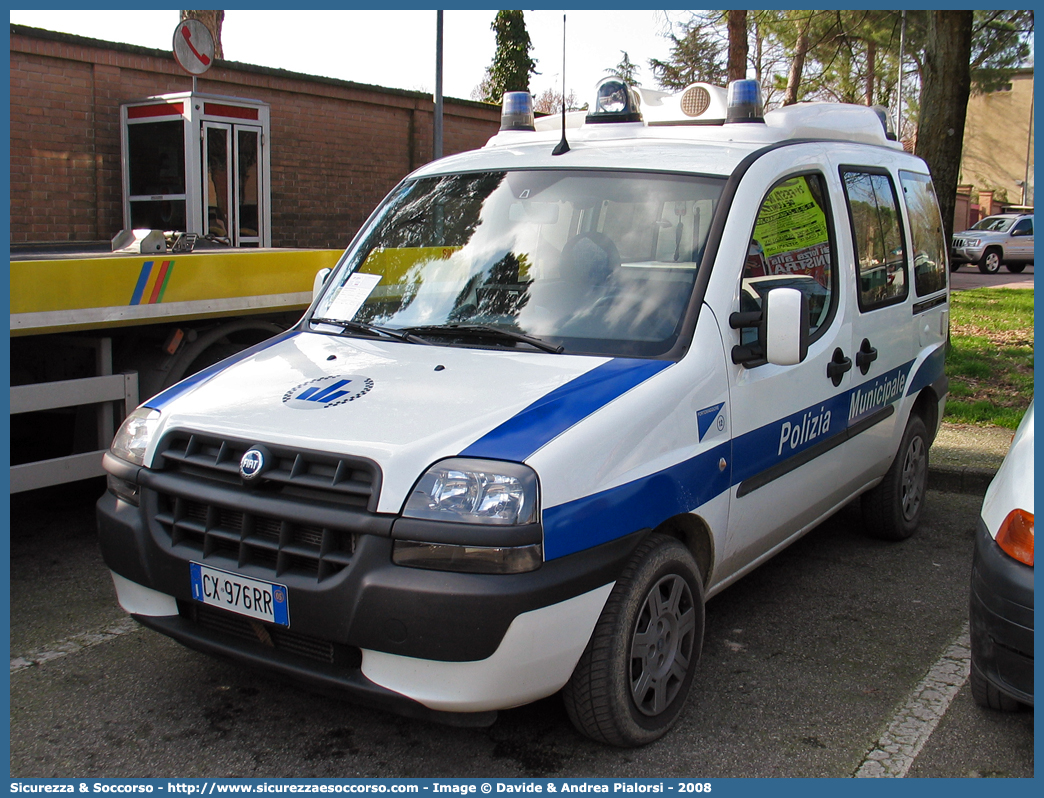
557, 393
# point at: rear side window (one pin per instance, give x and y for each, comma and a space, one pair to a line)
873, 208
1023, 227
928, 243
791, 248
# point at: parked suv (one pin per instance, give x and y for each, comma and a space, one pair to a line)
1006, 238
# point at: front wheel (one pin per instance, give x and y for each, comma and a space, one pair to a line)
986, 695
631, 682
892, 510
954, 266
990, 262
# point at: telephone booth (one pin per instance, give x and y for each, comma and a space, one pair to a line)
197, 163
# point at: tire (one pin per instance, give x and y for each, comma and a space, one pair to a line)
1016, 268
954, 266
892, 510
986, 695
632, 680
990, 262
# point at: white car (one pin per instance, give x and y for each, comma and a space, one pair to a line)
1002, 583
555, 396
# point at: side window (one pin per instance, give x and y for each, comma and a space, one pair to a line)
877, 233
1024, 227
791, 247
928, 243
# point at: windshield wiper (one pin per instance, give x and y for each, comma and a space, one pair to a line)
348, 326
485, 331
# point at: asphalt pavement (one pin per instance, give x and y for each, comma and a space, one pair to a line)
816, 664
969, 276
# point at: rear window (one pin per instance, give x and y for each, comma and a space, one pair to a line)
926, 232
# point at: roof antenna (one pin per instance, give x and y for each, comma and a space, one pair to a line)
563, 146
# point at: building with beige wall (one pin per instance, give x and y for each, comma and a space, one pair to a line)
997, 162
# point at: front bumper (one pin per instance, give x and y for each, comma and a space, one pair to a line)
966, 254
1002, 618
386, 634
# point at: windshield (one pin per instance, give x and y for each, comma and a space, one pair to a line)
593, 263
999, 224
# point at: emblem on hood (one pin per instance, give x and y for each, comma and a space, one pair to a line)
328, 392
252, 463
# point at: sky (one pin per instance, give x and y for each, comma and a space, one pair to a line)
396, 49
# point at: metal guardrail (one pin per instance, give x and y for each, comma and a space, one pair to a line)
103, 390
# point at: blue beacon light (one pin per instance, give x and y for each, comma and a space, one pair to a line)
744, 102
516, 112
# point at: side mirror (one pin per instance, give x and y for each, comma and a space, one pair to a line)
786, 326
319, 282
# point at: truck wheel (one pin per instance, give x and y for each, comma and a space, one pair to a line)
990, 262
892, 510
1016, 268
986, 695
954, 266
631, 682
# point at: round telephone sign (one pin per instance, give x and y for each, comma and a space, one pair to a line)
193, 46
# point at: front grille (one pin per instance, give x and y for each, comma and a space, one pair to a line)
208, 512
278, 545
230, 626
294, 472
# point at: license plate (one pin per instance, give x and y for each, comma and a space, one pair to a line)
254, 598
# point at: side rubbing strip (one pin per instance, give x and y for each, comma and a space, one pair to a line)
928, 304
808, 455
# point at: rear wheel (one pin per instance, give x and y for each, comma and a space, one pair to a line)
892, 510
631, 682
1016, 268
990, 262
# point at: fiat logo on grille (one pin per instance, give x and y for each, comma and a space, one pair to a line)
252, 464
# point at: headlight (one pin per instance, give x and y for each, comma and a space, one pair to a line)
481, 492
468, 491
972, 242
134, 435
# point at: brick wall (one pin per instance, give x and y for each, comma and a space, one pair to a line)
336, 147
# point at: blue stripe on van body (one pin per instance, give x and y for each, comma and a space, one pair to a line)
641, 504
164, 398
552, 414
932, 369
646, 502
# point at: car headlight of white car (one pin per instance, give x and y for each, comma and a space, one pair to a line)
470, 491
134, 435
129, 445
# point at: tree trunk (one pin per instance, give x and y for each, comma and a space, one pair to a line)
944, 104
797, 65
871, 71
737, 24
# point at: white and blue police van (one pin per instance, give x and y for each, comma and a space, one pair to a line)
558, 393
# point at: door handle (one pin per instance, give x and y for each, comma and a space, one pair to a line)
865, 356
837, 367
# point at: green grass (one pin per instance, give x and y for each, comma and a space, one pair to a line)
990, 362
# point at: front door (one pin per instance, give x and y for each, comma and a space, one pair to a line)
789, 422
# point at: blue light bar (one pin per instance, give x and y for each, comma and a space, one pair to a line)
744, 102
516, 113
